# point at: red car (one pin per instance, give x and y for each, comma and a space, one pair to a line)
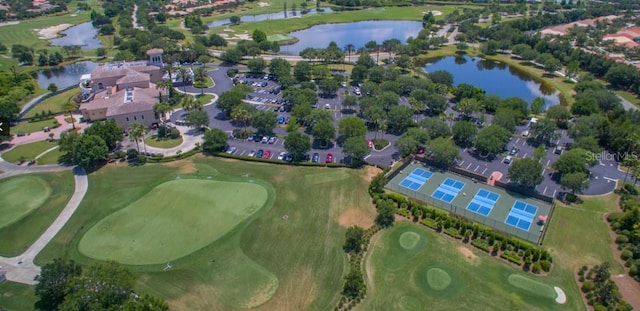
329, 157
266, 154
370, 142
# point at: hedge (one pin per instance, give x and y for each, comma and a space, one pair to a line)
453, 232
430, 223
512, 257
481, 244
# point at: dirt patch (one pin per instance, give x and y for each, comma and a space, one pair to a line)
355, 217
263, 295
185, 167
263, 4
629, 288
51, 32
467, 253
200, 297
370, 173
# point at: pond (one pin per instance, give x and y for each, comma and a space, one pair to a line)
357, 33
264, 17
495, 78
83, 35
63, 76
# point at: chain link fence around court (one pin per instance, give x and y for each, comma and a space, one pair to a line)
531, 236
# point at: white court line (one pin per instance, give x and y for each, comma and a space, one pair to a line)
243, 151
477, 167
460, 164
545, 190
485, 169
548, 161
468, 166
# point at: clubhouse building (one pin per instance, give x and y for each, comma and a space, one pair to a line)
124, 91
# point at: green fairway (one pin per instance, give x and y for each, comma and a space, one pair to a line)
28, 205
173, 220
28, 151
19, 196
267, 261
53, 103
25, 31
431, 271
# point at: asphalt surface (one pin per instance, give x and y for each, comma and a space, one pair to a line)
603, 175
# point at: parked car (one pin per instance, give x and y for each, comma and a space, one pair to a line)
281, 155
288, 157
266, 154
514, 150
272, 140
327, 106
525, 133
507, 160
259, 153
232, 150
558, 150
329, 158
265, 139
252, 153
315, 157
281, 120
370, 143
251, 137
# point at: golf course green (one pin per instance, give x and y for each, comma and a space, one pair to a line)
174, 219
20, 196
443, 274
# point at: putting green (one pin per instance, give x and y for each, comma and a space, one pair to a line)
409, 240
402, 246
173, 220
532, 286
409, 303
19, 196
438, 279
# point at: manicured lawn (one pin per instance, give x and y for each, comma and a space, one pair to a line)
410, 267
53, 103
267, 260
28, 151
164, 143
50, 157
174, 219
204, 99
30, 127
28, 205
16, 296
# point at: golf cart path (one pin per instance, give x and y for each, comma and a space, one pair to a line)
21, 268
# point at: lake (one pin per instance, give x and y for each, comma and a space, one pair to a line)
495, 78
357, 33
63, 76
84, 35
271, 16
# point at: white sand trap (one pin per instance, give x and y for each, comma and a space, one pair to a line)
243, 37
229, 30
9, 23
434, 12
51, 32
263, 4
562, 298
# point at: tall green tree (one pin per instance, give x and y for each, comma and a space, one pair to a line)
576, 181
354, 239
137, 131
444, 151
464, 133
351, 127
102, 286
491, 139
53, 281
297, 144
89, 150
324, 132
214, 140
109, 131
264, 121
356, 148
197, 119
526, 173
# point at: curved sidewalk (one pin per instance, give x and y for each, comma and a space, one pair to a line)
21, 268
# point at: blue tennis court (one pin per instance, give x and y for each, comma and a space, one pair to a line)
483, 202
416, 179
448, 190
521, 215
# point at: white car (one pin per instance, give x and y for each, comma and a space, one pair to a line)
252, 153
232, 150
281, 155
507, 160
343, 84
525, 133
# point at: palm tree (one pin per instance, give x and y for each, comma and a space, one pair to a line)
137, 131
200, 75
241, 115
69, 107
169, 69
184, 75
163, 85
161, 109
189, 103
349, 48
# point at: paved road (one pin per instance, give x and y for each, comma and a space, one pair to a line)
32, 103
21, 268
627, 104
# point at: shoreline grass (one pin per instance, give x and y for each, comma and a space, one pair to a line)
53, 103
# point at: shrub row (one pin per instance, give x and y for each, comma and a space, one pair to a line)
274, 161
517, 251
625, 226
601, 292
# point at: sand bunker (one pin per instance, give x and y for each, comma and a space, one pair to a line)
263, 4
51, 32
562, 298
9, 23
434, 12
